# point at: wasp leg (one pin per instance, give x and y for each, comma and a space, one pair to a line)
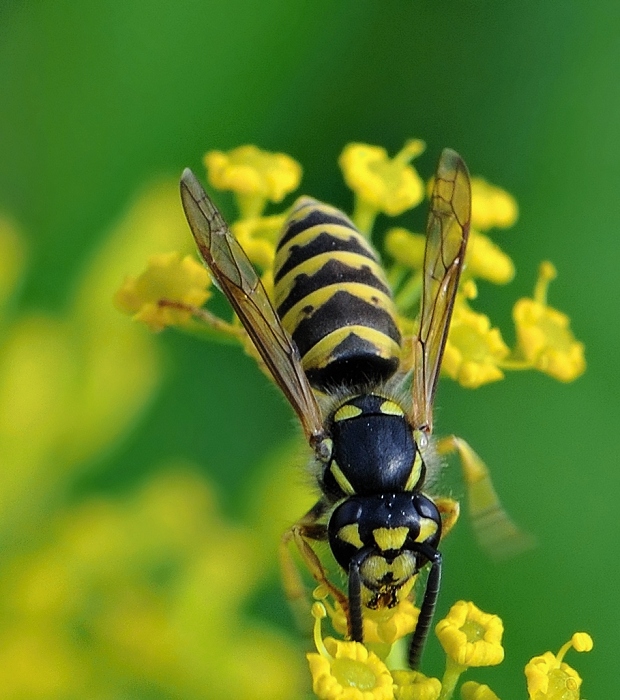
304, 531
450, 511
427, 608
496, 532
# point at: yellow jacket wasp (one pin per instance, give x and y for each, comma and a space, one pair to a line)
333, 347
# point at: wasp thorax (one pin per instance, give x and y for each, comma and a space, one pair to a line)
373, 449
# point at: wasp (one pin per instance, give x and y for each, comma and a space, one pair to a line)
331, 343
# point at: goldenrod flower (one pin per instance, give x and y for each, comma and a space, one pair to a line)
258, 238
474, 350
167, 277
381, 183
491, 206
477, 691
413, 685
255, 176
346, 670
486, 260
549, 678
544, 337
471, 637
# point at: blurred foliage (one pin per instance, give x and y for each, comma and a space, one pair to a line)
121, 453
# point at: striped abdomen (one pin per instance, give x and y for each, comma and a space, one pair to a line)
332, 296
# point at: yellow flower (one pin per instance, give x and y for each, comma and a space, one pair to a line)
258, 238
381, 184
471, 637
486, 260
549, 678
167, 277
346, 670
491, 206
255, 176
474, 351
413, 685
477, 691
405, 247
544, 337
382, 626
149, 586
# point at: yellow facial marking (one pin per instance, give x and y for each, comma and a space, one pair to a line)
376, 569
403, 567
391, 409
351, 535
341, 479
347, 411
390, 538
416, 472
428, 528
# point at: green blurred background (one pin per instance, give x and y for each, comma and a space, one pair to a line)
100, 98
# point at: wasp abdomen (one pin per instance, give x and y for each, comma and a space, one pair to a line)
333, 298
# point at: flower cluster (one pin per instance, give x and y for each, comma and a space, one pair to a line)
134, 594
471, 638
476, 352
172, 292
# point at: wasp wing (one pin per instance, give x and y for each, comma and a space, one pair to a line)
446, 238
237, 278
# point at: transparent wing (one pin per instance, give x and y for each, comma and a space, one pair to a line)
237, 278
446, 237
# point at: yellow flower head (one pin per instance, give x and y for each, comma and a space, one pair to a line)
383, 626
486, 260
471, 637
474, 351
255, 176
346, 670
477, 691
491, 206
549, 678
413, 685
405, 247
380, 183
169, 277
544, 337
258, 238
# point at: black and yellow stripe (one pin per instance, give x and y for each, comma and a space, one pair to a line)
332, 296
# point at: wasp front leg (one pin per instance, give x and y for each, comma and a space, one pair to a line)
495, 530
306, 530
